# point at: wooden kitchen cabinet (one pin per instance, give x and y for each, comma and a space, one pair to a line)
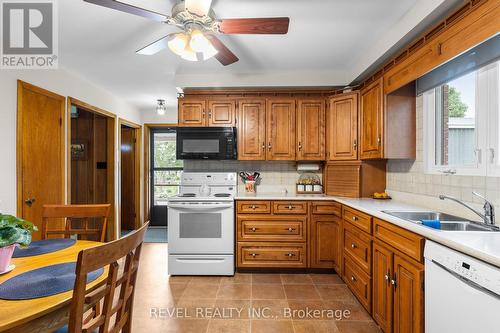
198, 112
280, 123
372, 120
325, 238
221, 113
251, 130
382, 288
192, 112
342, 124
310, 130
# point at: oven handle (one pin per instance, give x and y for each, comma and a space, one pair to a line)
199, 260
199, 207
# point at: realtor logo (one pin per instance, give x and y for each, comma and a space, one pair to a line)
29, 34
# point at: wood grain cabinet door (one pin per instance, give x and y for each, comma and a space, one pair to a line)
311, 130
382, 287
324, 241
280, 123
192, 113
251, 130
221, 113
408, 296
372, 120
342, 124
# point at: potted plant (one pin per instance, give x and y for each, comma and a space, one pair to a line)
13, 231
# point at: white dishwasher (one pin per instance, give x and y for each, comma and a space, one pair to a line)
462, 294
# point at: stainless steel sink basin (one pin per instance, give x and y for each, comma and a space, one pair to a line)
448, 222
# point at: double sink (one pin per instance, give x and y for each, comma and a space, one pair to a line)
448, 222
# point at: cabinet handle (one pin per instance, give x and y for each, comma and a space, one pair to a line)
253, 207
394, 282
300, 146
387, 277
355, 144
263, 146
254, 229
290, 207
209, 113
269, 146
203, 114
254, 255
353, 278
355, 218
353, 245
290, 229
29, 201
492, 155
290, 255
379, 140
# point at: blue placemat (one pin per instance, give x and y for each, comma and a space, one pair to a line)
43, 246
42, 282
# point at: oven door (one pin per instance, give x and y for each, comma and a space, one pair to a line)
206, 143
201, 228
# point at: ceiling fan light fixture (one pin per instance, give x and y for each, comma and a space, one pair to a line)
190, 55
178, 43
161, 108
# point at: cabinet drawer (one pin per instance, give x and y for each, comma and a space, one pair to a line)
358, 282
289, 207
271, 255
403, 240
254, 207
357, 245
271, 228
360, 220
327, 208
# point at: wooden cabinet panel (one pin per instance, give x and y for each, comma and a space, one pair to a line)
357, 245
310, 130
251, 130
382, 287
342, 124
355, 178
221, 113
326, 207
289, 207
280, 123
408, 296
253, 255
403, 240
324, 241
271, 228
372, 120
192, 112
358, 282
358, 219
253, 207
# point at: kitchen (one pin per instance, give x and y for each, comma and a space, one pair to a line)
276, 203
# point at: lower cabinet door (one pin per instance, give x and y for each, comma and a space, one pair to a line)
382, 287
358, 282
408, 296
324, 241
254, 255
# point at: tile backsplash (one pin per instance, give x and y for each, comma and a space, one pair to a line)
276, 177
408, 177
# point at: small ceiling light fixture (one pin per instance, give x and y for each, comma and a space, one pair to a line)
161, 108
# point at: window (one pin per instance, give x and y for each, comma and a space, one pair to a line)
461, 124
166, 169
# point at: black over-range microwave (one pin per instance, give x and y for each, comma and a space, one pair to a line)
206, 143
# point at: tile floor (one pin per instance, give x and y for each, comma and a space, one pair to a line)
244, 303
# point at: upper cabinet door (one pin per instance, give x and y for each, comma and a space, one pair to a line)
311, 130
221, 113
251, 132
342, 124
280, 115
192, 112
372, 120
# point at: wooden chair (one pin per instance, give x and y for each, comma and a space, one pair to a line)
117, 295
83, 214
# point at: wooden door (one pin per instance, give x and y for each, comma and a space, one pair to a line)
311, 130
251, 130
40, 152
280, 123
192, 112
382, 287
324, 241
342, 123
128, 167
222, 113
372, 120
408, 296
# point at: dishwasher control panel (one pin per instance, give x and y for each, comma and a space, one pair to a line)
481, 273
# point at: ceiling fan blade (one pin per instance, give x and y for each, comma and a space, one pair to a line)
126, 8
155, 46
199, 7
225, 56
272, 25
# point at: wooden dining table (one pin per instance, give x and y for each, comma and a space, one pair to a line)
44, 314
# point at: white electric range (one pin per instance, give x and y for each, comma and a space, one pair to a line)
201, 225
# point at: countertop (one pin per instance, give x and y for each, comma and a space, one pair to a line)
481, 245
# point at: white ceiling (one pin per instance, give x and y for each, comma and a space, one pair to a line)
330, 43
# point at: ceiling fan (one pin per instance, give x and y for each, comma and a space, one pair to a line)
199, 26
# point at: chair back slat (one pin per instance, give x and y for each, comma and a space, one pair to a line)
118, 293
72, 214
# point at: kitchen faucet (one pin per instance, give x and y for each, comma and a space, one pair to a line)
489, 211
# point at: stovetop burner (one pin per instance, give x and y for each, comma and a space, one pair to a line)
222, 195
187, 195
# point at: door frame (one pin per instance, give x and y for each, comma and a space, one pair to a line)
147, 165
111, 231
137, 171
20, 135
